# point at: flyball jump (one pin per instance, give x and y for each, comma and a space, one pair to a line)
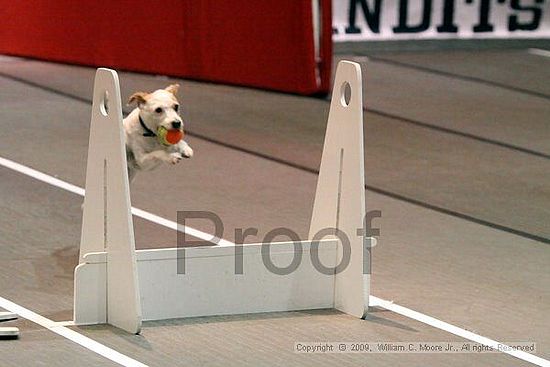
118, 285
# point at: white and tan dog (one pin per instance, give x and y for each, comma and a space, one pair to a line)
144, 150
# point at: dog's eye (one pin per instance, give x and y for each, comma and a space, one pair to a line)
176, 107
158, 110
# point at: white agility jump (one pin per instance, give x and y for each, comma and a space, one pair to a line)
118, 285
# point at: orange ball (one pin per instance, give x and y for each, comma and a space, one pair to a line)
169, 137
174, 136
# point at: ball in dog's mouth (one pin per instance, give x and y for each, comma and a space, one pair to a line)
169, 137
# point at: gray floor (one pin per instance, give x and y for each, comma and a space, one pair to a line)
457, 160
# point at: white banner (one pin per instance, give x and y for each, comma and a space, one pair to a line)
360, 20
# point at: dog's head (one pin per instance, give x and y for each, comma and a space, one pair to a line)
159, 108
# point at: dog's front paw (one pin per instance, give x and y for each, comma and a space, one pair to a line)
187, 152
175, 158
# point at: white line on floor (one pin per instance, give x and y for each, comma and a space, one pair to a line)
539, 52
72, 335
137, 212
442, 325
373, 301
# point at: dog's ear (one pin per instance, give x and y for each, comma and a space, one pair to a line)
173, 88
138, 97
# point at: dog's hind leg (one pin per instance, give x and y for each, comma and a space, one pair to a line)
131, 173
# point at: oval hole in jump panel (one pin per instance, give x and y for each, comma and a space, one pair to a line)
346, 94
104, 104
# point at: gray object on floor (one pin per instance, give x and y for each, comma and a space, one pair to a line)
8, 332
6, 316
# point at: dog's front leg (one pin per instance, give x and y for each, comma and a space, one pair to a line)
184, 149
148, 161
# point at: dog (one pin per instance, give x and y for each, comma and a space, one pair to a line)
144, 150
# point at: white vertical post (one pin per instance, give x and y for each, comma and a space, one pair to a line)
340, 196
107, 220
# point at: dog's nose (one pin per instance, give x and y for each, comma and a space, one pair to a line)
176, 124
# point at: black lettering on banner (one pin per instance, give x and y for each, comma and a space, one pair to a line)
448, 25
513, 21
403, 27
371, 16
484, 10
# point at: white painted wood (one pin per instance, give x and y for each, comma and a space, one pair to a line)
210, 285
107, 221
107, 286
340, 196
90, 290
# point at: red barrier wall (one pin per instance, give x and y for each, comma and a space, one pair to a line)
264, 44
